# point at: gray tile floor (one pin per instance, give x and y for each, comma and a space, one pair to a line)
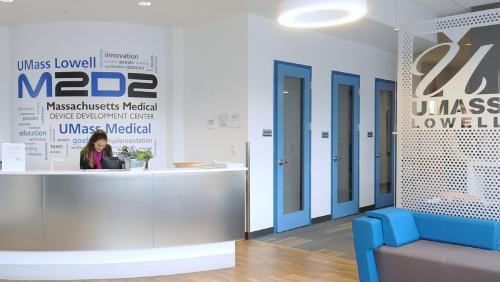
333, 238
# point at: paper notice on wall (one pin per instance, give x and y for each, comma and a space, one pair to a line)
229, 120
224, 121
13, 157
212, 122
234, 121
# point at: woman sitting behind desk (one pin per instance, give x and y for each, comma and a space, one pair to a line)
96, 149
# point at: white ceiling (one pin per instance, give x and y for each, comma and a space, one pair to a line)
186, 13
452, 7
180, 13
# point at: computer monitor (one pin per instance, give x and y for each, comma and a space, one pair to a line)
112, 163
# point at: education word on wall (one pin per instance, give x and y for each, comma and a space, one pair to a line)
449, 116
70, 79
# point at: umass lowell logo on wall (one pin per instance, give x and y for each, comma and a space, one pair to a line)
75, 83
456, 89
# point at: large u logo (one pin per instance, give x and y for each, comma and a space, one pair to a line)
458, 83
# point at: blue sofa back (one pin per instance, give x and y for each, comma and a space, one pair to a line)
484, 234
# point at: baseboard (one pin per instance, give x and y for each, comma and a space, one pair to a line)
321, 219
258, 233
367, 208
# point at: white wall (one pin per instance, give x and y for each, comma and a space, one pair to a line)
215, 82
268, 42
175, 97
4, 86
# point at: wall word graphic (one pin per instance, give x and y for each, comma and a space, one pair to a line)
63, 94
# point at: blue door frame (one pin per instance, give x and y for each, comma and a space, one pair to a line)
351, 207
388, 198
282, 221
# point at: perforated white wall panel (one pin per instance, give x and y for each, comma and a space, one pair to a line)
453, 170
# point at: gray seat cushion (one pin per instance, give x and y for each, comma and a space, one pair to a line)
430, 261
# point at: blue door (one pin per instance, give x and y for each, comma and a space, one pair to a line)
292, 146
385, 117
345, 144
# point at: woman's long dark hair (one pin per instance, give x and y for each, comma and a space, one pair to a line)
87, 149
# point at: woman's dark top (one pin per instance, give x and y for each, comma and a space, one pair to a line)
84, 163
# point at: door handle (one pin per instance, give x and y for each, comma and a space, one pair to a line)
378, 156
282, 162
335, 158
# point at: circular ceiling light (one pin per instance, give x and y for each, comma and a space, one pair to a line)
320, 13
144, 3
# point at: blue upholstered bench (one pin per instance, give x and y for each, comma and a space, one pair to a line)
395, 244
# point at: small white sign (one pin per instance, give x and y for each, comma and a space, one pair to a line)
212, 122
223, 120
13, 157
234, 121
227, 120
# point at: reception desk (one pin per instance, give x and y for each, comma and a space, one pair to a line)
118, 224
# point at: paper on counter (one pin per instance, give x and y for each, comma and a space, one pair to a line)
13, 157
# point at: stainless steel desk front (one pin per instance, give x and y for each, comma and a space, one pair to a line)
120, 210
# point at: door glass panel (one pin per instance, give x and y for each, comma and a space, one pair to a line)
344, 141
385, 126
292, 144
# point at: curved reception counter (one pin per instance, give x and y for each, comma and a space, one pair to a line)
119, 224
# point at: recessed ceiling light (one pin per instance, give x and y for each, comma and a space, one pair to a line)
7, 1
397, 29
144, 3
320, 13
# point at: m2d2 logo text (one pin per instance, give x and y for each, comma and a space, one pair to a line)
73, 84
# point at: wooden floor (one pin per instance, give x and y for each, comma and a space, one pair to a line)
261, 261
